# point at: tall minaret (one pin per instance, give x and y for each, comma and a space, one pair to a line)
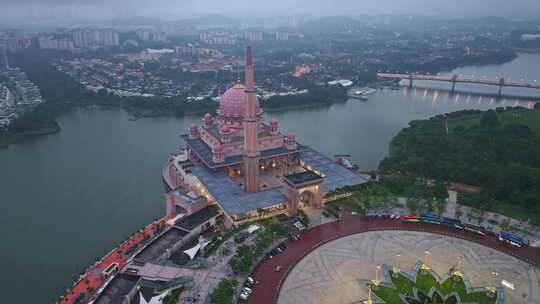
251, 126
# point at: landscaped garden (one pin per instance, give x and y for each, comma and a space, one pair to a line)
420, 194
246, 255
224, 292
426, 288
173, 297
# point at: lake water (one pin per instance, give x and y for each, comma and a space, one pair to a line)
70, 197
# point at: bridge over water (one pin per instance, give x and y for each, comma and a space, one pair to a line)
500, 82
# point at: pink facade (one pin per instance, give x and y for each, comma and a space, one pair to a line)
236, 130
251, 130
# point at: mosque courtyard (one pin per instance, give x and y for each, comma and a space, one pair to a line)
331, 273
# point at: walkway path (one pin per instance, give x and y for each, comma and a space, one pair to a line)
270, 281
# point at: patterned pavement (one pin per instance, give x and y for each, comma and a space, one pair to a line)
329, 274
354, 245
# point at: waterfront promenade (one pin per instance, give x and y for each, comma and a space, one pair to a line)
93, 278
271, 281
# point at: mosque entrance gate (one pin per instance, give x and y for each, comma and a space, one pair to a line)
302, 190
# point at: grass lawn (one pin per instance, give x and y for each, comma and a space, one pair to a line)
449, 286
424, 283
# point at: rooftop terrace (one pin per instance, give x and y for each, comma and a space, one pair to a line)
198, 218
231, 196
204, 152
117, 289
158, 247
302, 177
335, 176
234, 200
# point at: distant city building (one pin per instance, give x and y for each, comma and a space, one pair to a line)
51, 42
155, 54
17, 95
79, 39
146, 35
218, 37
193, 50
95, 38
280, 36
253, 36
4, 63
13, 41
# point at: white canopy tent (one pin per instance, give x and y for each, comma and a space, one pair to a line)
154, 300
192, 252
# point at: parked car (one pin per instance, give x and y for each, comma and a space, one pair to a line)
244, 296
241, 237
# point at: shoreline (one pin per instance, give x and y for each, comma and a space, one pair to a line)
8, 139
138, 113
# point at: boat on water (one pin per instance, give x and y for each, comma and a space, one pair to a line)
344, 160
359, 97
367, 91
361, 93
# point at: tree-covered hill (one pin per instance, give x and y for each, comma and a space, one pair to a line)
498, 150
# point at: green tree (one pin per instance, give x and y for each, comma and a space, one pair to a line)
224, 292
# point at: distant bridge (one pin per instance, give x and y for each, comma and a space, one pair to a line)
500, 82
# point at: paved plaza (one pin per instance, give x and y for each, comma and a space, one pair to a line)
330, 273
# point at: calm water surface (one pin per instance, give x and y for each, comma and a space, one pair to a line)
68, 198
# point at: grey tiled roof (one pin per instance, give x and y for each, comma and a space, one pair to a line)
198, 218
204, 151
335, 176
117, 289
158, 246
231, 196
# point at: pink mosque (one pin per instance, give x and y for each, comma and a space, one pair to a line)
242, 167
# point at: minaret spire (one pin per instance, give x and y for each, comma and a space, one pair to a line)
251, 126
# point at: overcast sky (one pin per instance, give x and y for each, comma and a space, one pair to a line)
60, 9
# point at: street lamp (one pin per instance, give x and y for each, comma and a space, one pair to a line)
424, 268
376, 282
492, 290
369, 301
395, 269
457, 273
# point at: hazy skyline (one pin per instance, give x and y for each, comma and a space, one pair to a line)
57, 10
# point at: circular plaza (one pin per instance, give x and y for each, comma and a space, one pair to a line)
331, 273
337, 263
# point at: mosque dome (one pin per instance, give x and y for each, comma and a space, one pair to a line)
233, 102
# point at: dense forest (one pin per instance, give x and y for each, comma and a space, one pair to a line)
497, 150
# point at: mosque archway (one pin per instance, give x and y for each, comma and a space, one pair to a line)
307, 199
